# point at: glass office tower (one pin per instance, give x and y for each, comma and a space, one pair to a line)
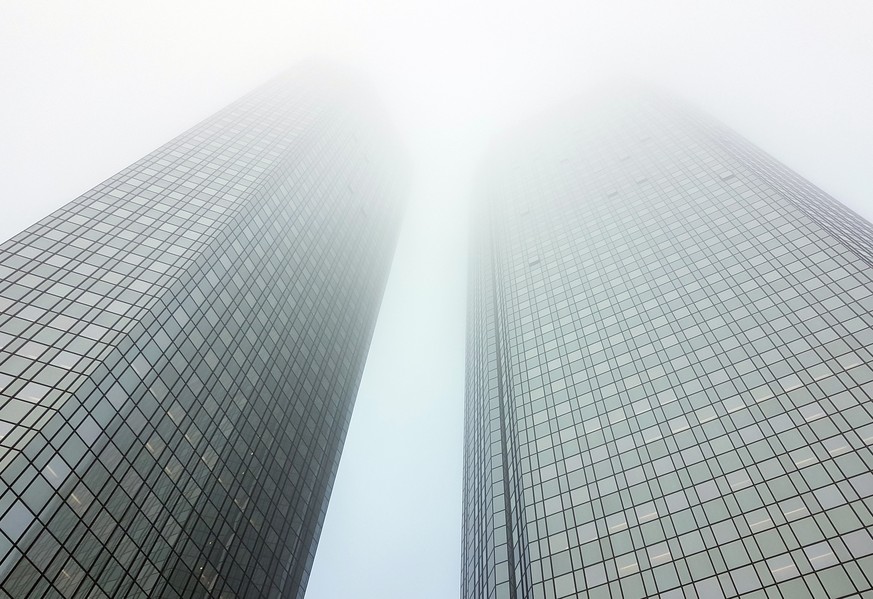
180, 349
668, 369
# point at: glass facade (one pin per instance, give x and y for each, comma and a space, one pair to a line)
668, 368
180, 349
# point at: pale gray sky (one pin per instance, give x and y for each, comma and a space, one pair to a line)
90, 86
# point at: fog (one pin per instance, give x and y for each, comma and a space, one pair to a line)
89, 87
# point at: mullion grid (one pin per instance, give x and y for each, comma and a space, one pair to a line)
834, 250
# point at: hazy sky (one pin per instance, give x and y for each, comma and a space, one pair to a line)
90, 86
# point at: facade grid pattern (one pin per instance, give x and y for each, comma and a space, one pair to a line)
686, 373
180, 349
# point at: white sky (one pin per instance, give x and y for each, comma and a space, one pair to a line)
88, 87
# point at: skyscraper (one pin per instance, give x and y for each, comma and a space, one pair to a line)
668, 368
180, 349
